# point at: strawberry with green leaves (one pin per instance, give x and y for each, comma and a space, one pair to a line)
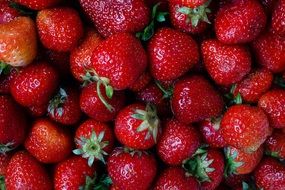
275, 144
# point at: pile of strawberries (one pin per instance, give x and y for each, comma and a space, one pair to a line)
142, 94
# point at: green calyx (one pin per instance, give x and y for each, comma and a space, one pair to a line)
166, 93
272, 154
4, 148
231, 165
92, 148
55, 106
95, 183
130, 151
150, 121
232, 99
90, 77
2, 183
197, 14
279, 80
4, 68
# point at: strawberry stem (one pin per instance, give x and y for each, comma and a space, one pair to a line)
166, 93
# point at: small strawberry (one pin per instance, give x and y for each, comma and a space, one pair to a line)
240, 21
112, 17
178, 142
141, 82
195, 99
48, 142
64, 21
278, 17
94, 140
275, 144
38, 4
131, 170
4, 161
17, 50
243, 122
169, 47
189, 3
25, 172
226, 64
7, 13
137, 126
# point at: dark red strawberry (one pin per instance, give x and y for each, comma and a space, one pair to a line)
243, 122
64, 21
4, 161
141, 82
195, 99
278, 17
178, 142
35, 84
60, 61
6, 76
275, 144
131, 170
7, 13
268, 5
112, 17
189, 3
236, 180
240, 21
175, 178
38, 4
94, 140
172, 54
25, 172
226, 64
137, 126
48, 142
72, 173
38, 111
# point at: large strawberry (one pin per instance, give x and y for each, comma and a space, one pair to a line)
226, 64
275, 144
243, 122
195, 99
131, 170
189, 3
112, 17
38, 4
172, 54
25, 172
278, 17
17, 50
7, 13
240, 21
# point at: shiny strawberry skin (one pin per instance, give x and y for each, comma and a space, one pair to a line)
195, 99
278, 17
7, 13
242, 122
4, 161
35, 84
275, 144
189, 3
226, 64
38, 4
112, 17
47, 142
25, 172
71, 173
64, 21
172, 54
240, 21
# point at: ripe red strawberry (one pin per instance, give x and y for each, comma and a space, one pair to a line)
189, 3
254, 85
141, 82
240, 21
270, 174
236, 180
72, 173
6, 78
94, 140
169, 47
34, 85
269, 51
25, 172
275, 144
194, 99
243, 122
226, 64
80, 57
137, 126
131, 170
47, 142
273, 104
278, 17
38, 111
64, 21
4, 161
17, 50
112, 17
64, 107
175, 178
38, 4
178, 142
7, 13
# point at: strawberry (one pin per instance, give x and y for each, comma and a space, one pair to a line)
131, 169
169, 47
275, 144
240, 21
278, 17
7, 13
141, 82
178, 142
236, 180
242, 122
270, 174
195, 99
25, 172
34, 85
48, 142
112, 17
94, 140
175, 178
268, 6
253, 86
64, 21
72, 173
38, 111
273, 104
64, 107
269, 51
6, 77
60, 61
226, 64
137, 126
38, 4
16, 50
4, 161
189, 3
